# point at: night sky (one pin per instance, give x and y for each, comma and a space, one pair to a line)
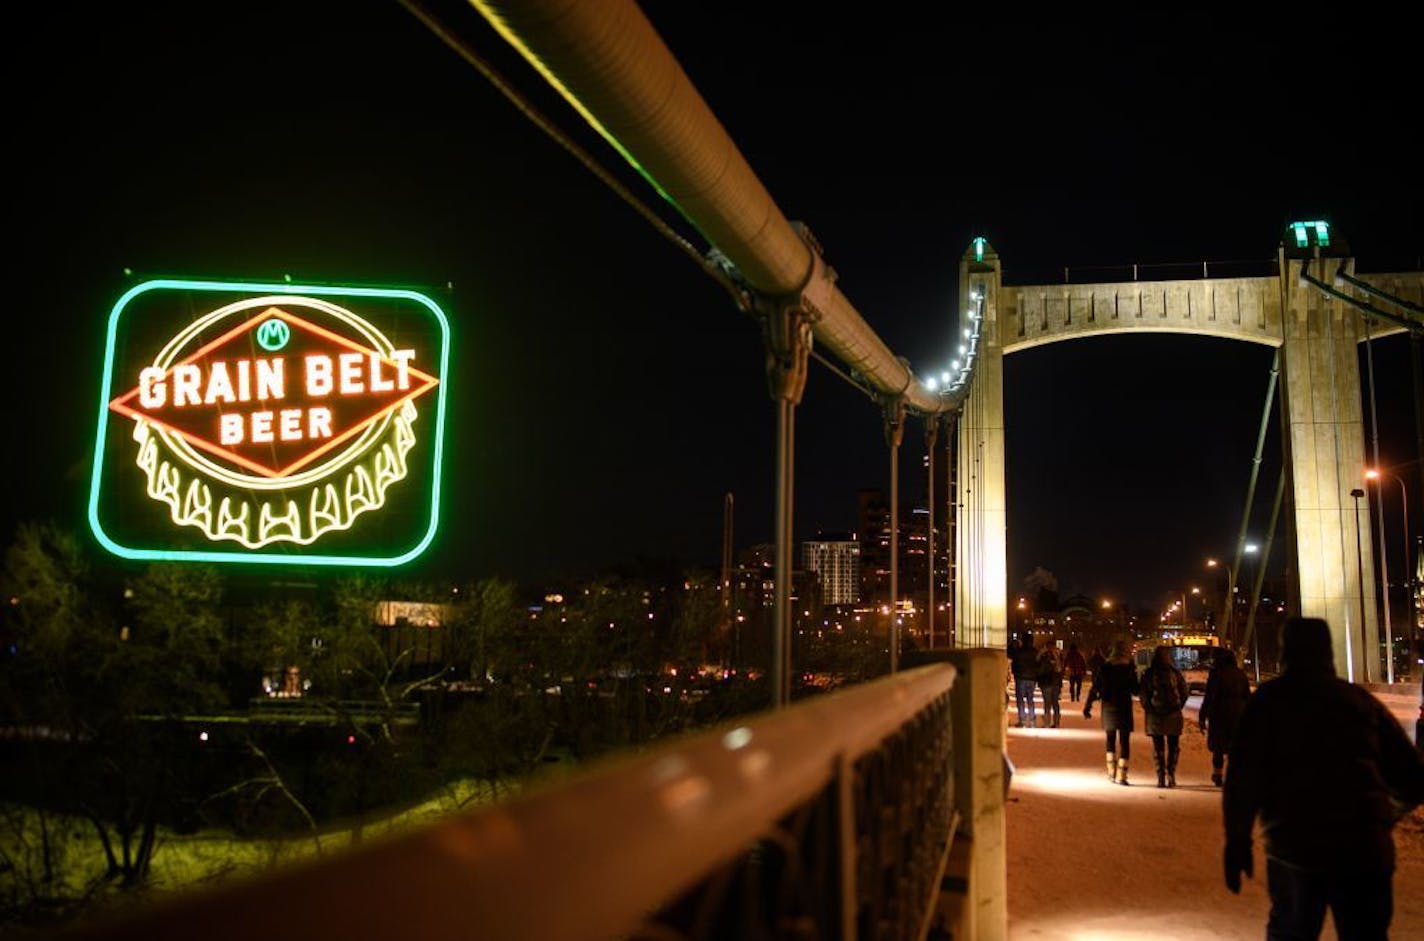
606, 394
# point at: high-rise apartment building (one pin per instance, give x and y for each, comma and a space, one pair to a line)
835, 558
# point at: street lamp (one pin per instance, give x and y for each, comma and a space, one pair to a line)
1373, 474
1360, 574
1223, 628
1250, 549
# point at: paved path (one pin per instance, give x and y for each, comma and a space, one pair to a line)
1088, 859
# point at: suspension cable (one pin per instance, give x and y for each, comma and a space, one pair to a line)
850, 380
461, 48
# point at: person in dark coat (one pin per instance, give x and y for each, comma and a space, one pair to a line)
1050, 683
1227, 690
1329, 771
1096, 662
1114, 685
1076, 668
1025, 668
1163, 690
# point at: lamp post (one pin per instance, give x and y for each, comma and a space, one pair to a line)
1222, 629
1360, 574
1374, 475
1251, 549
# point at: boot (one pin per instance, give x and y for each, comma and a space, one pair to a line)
1216, 776
1160, 763
1172, 755
1112, 767
1122, 771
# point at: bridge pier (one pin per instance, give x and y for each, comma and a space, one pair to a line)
1325, 440
981, 537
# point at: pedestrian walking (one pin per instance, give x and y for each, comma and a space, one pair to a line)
1163, 690
1025, 669
1114, 684
1329, 771
1050, 683
1011, 650
1075, 667
1227, 690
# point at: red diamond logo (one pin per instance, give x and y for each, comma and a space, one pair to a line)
272, 399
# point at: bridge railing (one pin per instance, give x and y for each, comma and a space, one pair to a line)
833, 818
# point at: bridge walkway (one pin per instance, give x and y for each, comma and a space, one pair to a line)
1091, 859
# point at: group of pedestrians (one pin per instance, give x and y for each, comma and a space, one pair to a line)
1163, 692
1317, 760
1044, 669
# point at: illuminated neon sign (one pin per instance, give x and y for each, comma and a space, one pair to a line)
270, 423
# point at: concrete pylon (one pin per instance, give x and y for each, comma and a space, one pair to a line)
981, 538
1326, 444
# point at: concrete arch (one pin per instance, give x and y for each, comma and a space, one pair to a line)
1321, 398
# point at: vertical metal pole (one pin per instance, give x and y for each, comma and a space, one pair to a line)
931, 431
894, 434
1408, 569
781, 598
1416, 369
787, 332
894, 556
1379, 505
728, 625
1360, 574
951, 526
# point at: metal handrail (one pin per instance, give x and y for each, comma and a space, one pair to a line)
599, 856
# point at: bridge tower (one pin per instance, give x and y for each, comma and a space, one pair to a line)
981, 593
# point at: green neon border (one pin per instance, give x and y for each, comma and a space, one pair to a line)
257, 557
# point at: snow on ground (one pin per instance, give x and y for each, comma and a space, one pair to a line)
1089, 860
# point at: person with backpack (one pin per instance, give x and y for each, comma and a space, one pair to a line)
1227, 690
1114, 684
1076, 668
1163, 691
1050, 683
